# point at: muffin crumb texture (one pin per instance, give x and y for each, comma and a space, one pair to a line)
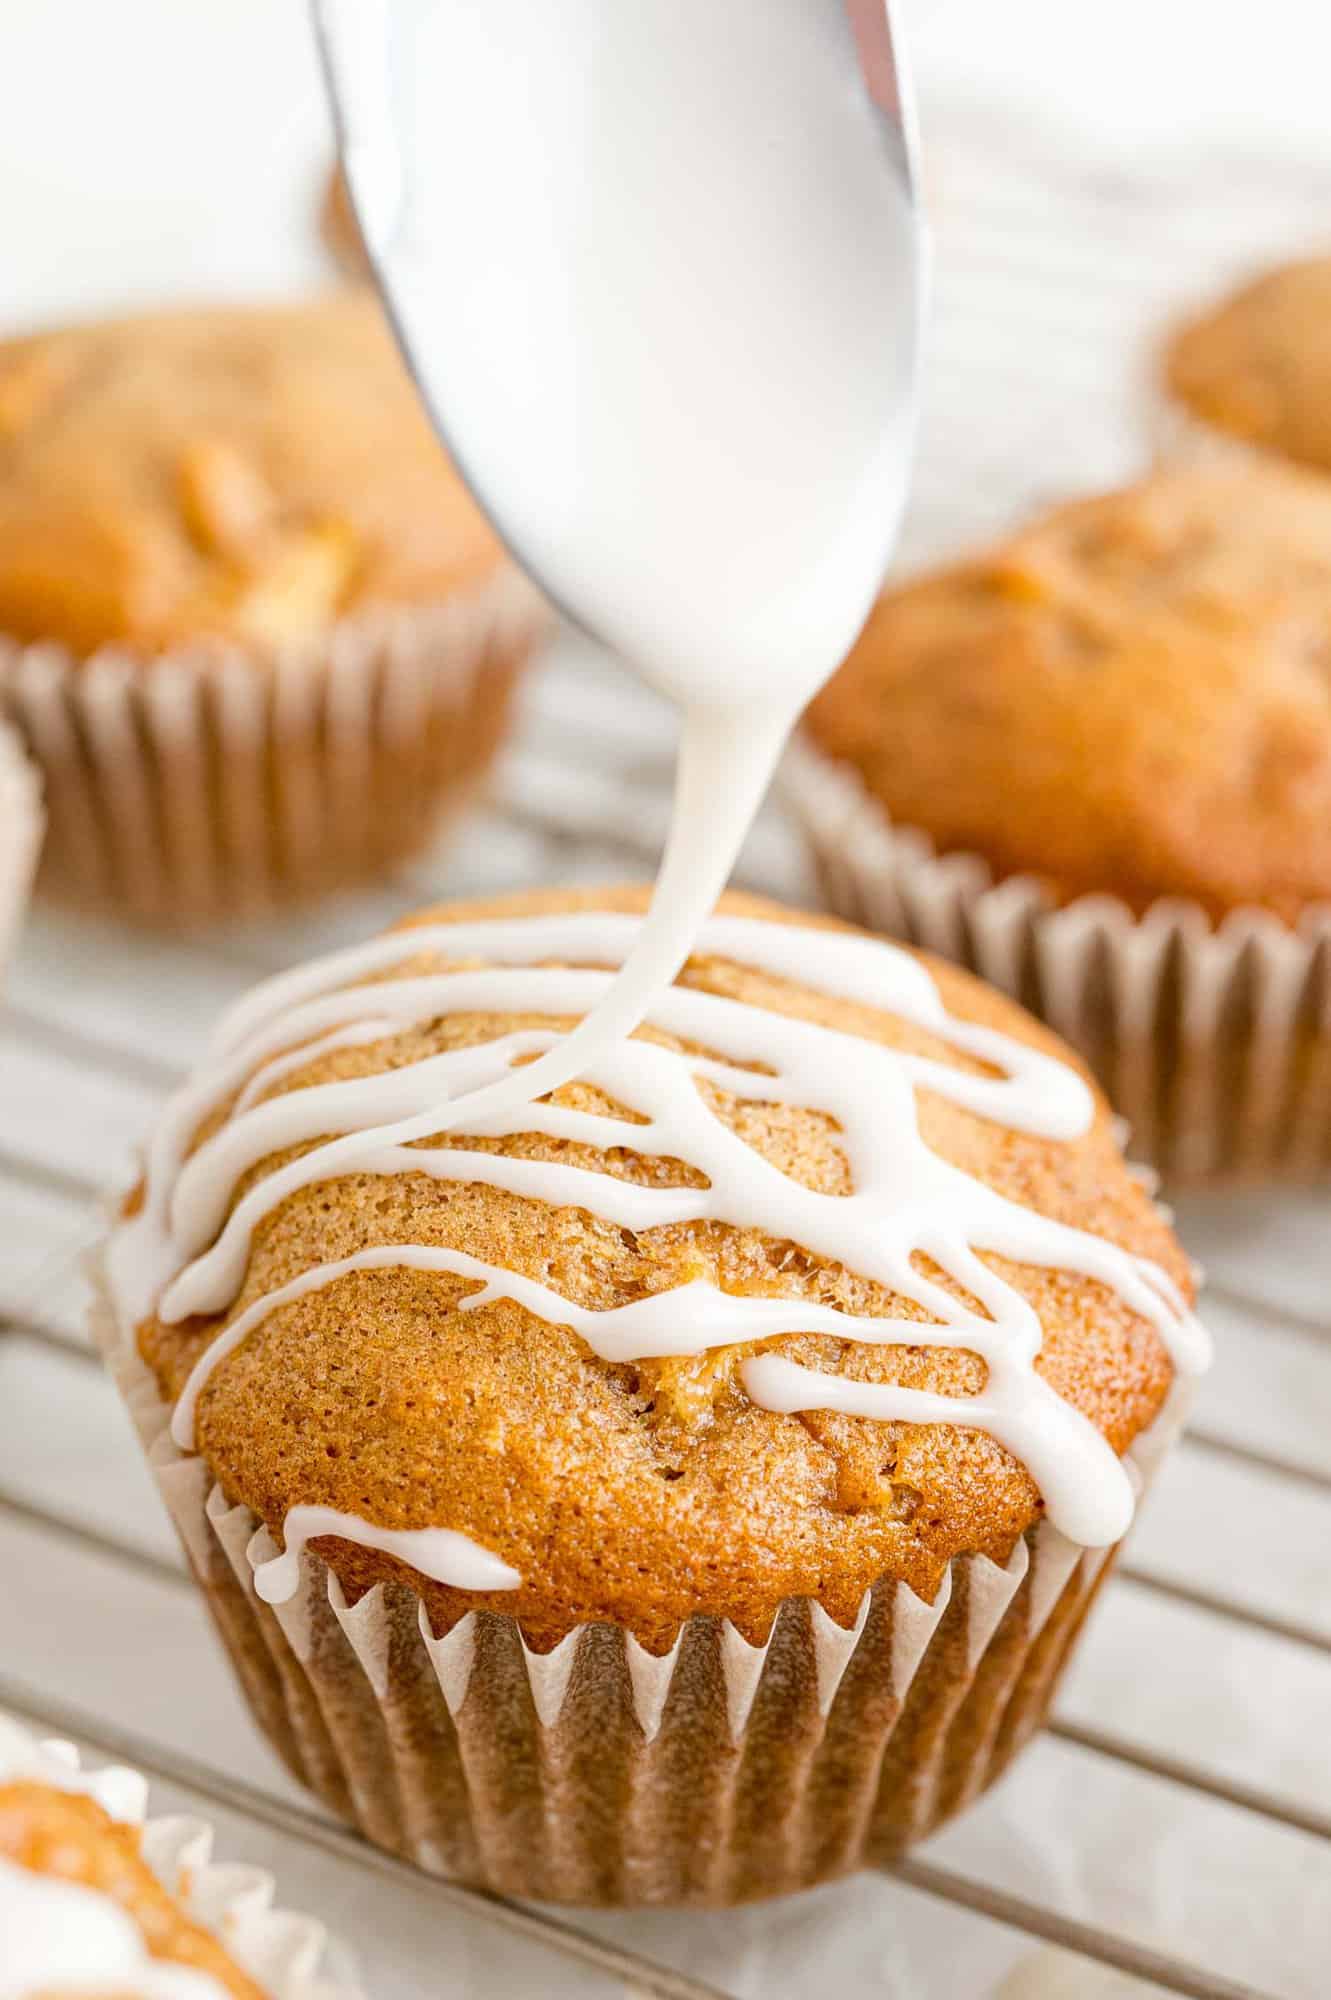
1130, 697
643, 1494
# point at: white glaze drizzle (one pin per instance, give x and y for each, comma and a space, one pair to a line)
184, 1254
440, 1553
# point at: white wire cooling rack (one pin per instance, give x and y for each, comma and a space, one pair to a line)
1171, 1830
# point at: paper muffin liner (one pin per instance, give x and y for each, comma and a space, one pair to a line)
21, 821
216, 781
292, 1957
1212, 1041
599, 1773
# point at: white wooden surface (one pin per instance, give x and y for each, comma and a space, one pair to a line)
1183, 1803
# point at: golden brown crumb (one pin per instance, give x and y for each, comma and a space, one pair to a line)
645, 1494
1132, 696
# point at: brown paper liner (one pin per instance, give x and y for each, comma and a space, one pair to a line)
598, 1773
214, 782
1213, 1042
21, 822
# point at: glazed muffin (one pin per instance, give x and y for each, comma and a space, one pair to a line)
659, 1497
1094, 763
251, 624
20, 837
93, 1898
1253, 371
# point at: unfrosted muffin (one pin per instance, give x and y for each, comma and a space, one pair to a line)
629, 1555
95, 1899
1095, 764
1254, 369
251, 624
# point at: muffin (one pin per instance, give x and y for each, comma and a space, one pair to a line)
20, 837
687, 1488
251, 625
1252, 373
1094, 764
95, 1898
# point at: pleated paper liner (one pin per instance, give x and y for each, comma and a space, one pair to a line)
1213, 1042
215, 782
292, 1957
598, 1773
21, 822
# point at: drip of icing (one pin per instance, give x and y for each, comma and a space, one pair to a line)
906, 1201
776, 391
295, 1009
772, 389
439, 1553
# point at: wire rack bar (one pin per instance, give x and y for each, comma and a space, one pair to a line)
62, 1181
1181, 1771
1218, 1606
1171, 1975
122, 1058
93, 1541
45, 1335
1287, 1318
1220, 1446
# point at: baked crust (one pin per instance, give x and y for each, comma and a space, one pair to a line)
1132, 695
643, 1495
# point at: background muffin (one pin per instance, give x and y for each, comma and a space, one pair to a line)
251, 624
767, 1646
1095, 764
1254, 370
93, 1893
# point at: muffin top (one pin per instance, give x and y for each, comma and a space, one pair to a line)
78, 1898
700, 1332
1132, 695
1258, 365
242, 473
